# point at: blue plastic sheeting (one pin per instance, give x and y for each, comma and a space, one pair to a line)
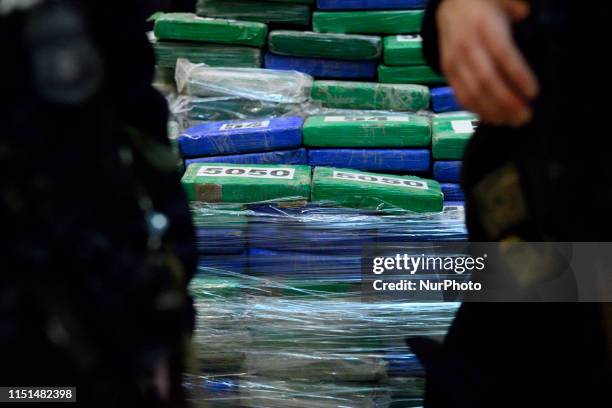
323, 68
447, 171
294, 157
383, 160
371, 4
443, 100
452, 191
243, 136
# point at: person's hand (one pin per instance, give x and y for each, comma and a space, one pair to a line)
481, 61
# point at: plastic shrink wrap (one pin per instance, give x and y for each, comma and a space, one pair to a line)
220, 94
249, 83
404, 50
421, 74
322, 45
451, 134
168, 52
368, 22
363, 130
253, 10
370, 4
189, 27
323, 67
366, 95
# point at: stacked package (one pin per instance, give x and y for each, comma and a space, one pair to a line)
222, 94
451, 134
281, 319
215, 42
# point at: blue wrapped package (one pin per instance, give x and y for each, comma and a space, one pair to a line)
443, 100
296, 264
323, 68
404, 365
227, 263
218, 241
382, 160
242, 136
447, 171
296, 157
370, 4
452, 192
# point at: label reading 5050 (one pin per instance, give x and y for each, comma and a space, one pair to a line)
387, 181
253, 172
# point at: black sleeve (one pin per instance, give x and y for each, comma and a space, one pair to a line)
429, 32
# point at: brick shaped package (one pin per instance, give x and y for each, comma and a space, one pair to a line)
451, 133
421, 74
325, 45
323, 67
368, 22
447, 171
352, 188
254, 10
370, 4
367, 131
443, 100
371, 96
168, 52
378, 160
243, 136
189, 27
404, 50
246, 183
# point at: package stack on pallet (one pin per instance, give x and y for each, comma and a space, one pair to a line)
287, 193
282, 322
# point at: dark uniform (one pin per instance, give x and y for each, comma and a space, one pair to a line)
548, 181
96, 240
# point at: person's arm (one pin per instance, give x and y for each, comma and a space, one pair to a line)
471, 42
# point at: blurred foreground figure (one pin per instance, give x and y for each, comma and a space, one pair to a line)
537, 169
96, 239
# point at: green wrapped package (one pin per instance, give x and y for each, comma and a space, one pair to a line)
368, 22
451, 134
357, 189
319, 45
189, 27
253, 10
370, 96
167, 52
367, 131
234, 183
404, 50
421, 74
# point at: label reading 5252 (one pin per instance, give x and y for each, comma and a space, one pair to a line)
387, 181
254, 172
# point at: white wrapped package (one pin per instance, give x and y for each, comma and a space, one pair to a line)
249, 83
